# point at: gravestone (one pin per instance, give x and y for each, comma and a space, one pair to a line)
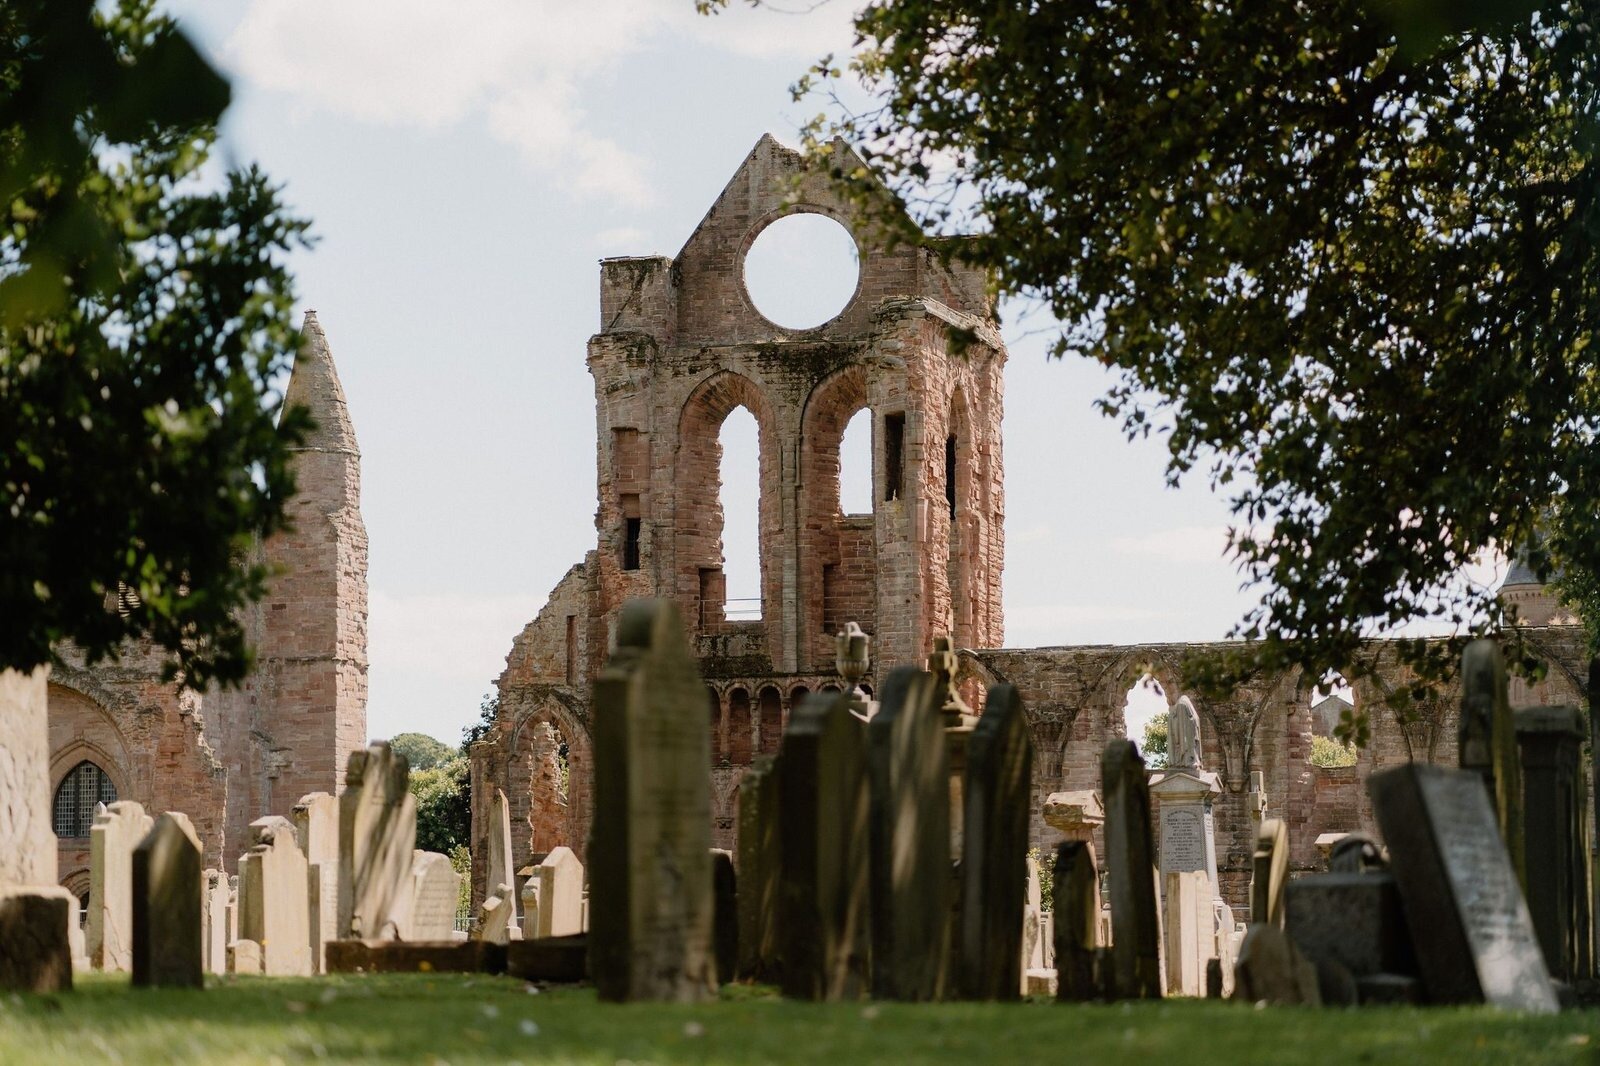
650, 848
1184, 794
1487, 743
1076, 814
909, 861
168, 927
758, 871
1191, 931
560, 911
1550, 740
1075, 907
1033, 953
435, 890
1269, 872
244, 956
1593, 813
1130, 875
1353, 919
377, 834
1469, 923
1270, 969
35, 948
725, 916
316, 828
823, 893
274, 911
494, 917
117, 830
498, 869
214, 920
998, 795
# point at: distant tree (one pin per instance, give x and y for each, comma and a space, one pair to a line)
1343, 256
1154, 745
422, 752
444, 806
488, 709
145, 313
1328, 752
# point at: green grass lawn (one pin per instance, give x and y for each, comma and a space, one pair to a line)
462, 1019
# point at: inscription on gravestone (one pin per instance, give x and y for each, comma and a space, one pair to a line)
1182, 841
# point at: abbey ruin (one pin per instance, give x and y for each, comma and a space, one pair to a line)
680, 347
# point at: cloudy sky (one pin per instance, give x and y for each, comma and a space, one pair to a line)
466, 165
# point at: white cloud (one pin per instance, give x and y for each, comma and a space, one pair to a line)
625, 240
519, 66
1186, 544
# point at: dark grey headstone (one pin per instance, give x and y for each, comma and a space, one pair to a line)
823, 890
166, 906
758, 871
1593, 813
909, 788
997, 797
725, 920
1551, 743
1130, 876
1075, 888
1469, 923
1488, 743
1353, 919
35, 953
651, 907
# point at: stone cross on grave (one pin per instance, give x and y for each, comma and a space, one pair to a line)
942, 665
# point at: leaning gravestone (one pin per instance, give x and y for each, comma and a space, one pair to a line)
560, 911
909, 860
435, 890
274, 910
1269, 874
1075, 908
1130, 873
377, 834
168, 927
1469, 923
214, 919
1487, 742
117, 830
650, 846
998, 796
823, 894
35, 952
494, 916
316, 827
758, 871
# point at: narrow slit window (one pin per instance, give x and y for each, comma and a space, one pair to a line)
950, 473
894, 439
632, 527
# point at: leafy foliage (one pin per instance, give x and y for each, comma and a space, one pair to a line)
144, 312
1154, 745
1342, 255
1328, 752
422, 752
488, 708
444, 806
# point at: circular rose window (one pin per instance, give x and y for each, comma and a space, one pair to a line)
802, 271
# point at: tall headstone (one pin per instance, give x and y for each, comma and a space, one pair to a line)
214, 921
560, 910
1075, 907
435, 890
909, 859
1184, 794
1269, 872
274, 910
758, 871
316, 827
168, 927
725, 918
116, 831
1593, 811
27, 846
1191, 931
994, 875
1130, 873
650, 848
823, 893
377, 834
1488, 743
1550, 740
499, 868
35, 951
1469, 923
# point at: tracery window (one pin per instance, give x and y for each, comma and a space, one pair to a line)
84, 786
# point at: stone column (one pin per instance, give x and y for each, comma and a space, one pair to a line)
27, 846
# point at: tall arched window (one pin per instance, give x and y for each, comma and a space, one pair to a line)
84, 786
855, 465
740, 498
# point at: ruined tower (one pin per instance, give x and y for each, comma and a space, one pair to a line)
681, 346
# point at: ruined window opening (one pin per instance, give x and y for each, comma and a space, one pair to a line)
715, 709
572, 649
84, 786
630, 543
894, 439
1144, 719
950, 473
855, 465
805, 245
1332, 702
739, 493
741, 728
563, 765
771, 714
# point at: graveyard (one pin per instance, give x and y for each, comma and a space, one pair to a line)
841, 819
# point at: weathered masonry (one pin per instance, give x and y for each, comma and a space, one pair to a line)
681, 346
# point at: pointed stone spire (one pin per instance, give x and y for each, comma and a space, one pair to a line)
314, 384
